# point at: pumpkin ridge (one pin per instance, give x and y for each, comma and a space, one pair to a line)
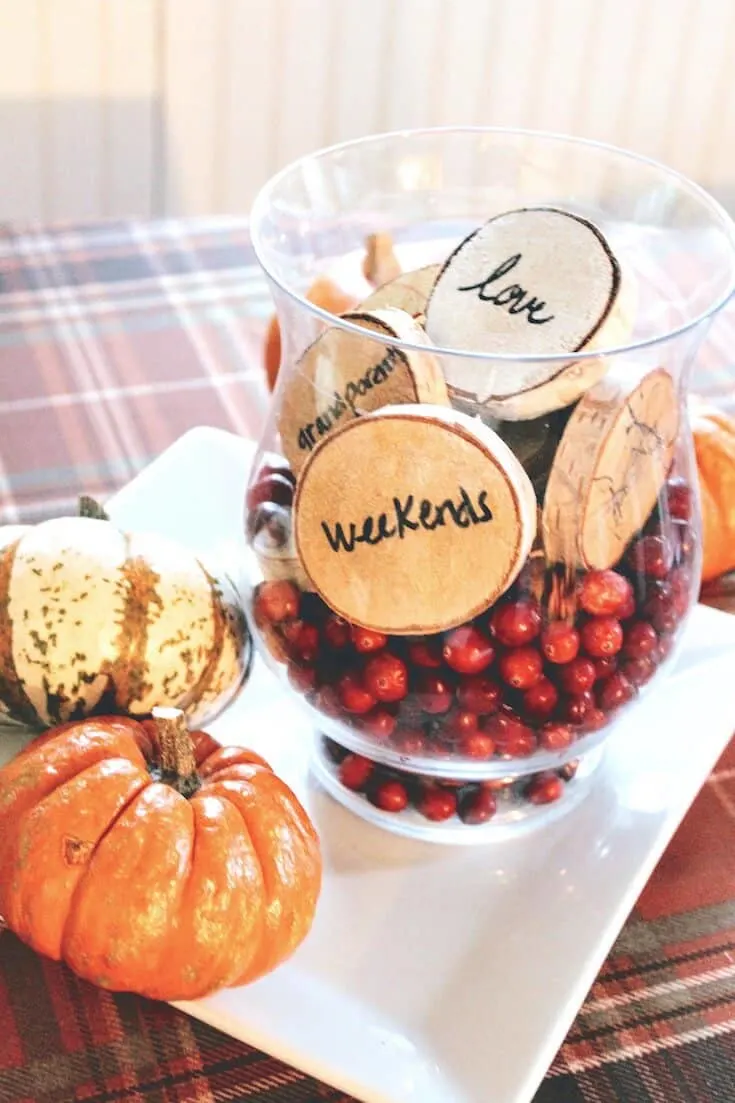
127, 670
219, 620
12, 691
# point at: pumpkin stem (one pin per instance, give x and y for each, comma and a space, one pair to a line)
178, 765
88, 507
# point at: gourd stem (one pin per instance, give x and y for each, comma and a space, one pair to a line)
88, 507
177, 762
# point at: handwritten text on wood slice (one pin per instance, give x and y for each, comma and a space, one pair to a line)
345, 374
413, 519
610, 466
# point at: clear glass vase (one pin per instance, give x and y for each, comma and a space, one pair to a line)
476, 714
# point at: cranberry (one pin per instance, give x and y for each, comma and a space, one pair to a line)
594, 720
390, 795
660, 606
386, 677
560, 642
640, 668
602, 636
336, 631
521, 668
433, 694
276, 601
628, 608
327, 701
426, 653
540, 700
569, 770
684, 541
334, 751
577, 706
355, 772
378, 724
409, 741
476, 744
681, 589
438, 804
302, 678
461, 723
354, 696
544, 789
577, 676
614, 692
305, 643
604, 593
516, 622
605, 667
366, 640
640, 639
467, 650
476, 806
556, 737
679, 499
272, 486
652, 555
512, 738
665, 646
479, 694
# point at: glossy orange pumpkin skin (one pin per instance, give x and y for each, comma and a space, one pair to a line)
714, 445
324, 293
136, 887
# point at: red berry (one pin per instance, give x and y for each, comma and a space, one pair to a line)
305, 643
602, 636
355, 772
438, 804
605, 667
556, 737
426, 653
433, 694
512, 738
409, 741
476, 806
661, 607
461, 723
652, 556
640, 668
378, 724
665, 646
615, 691
628, 608
679, 498
521, 668
544, 789
594, 720
477, 745
560, 642
354, 696
479, 694
684, 541
516, 622
604, 593
386, 677
365, 640
272, 486
467, 650
640, 639
276, 601
682, 590
391, 796
577, 676
327, 701
540, 700
577, 706
569, 770
302, 678
336, 631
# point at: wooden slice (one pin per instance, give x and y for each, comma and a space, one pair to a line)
413, 519
409, 291
610, 466
343, 375
532, 282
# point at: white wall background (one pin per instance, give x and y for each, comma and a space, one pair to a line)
152, 107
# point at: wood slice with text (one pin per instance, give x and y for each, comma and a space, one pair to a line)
611, 464
343, 375
413, 519
410, 291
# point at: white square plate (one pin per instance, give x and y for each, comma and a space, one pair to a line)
440, 974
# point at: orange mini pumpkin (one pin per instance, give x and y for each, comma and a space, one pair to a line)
153, 861
714, 444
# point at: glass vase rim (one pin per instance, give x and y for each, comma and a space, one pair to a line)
708, 202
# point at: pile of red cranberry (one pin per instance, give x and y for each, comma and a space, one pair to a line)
505, 685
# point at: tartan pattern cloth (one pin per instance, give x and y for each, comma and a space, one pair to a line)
114, 340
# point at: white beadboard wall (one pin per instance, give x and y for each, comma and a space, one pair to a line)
184, 107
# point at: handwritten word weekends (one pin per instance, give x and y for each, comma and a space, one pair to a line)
407, 515
515, 297
341, 403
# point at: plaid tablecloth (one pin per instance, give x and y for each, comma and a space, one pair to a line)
115, 339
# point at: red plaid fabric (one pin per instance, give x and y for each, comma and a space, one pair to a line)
114, 340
